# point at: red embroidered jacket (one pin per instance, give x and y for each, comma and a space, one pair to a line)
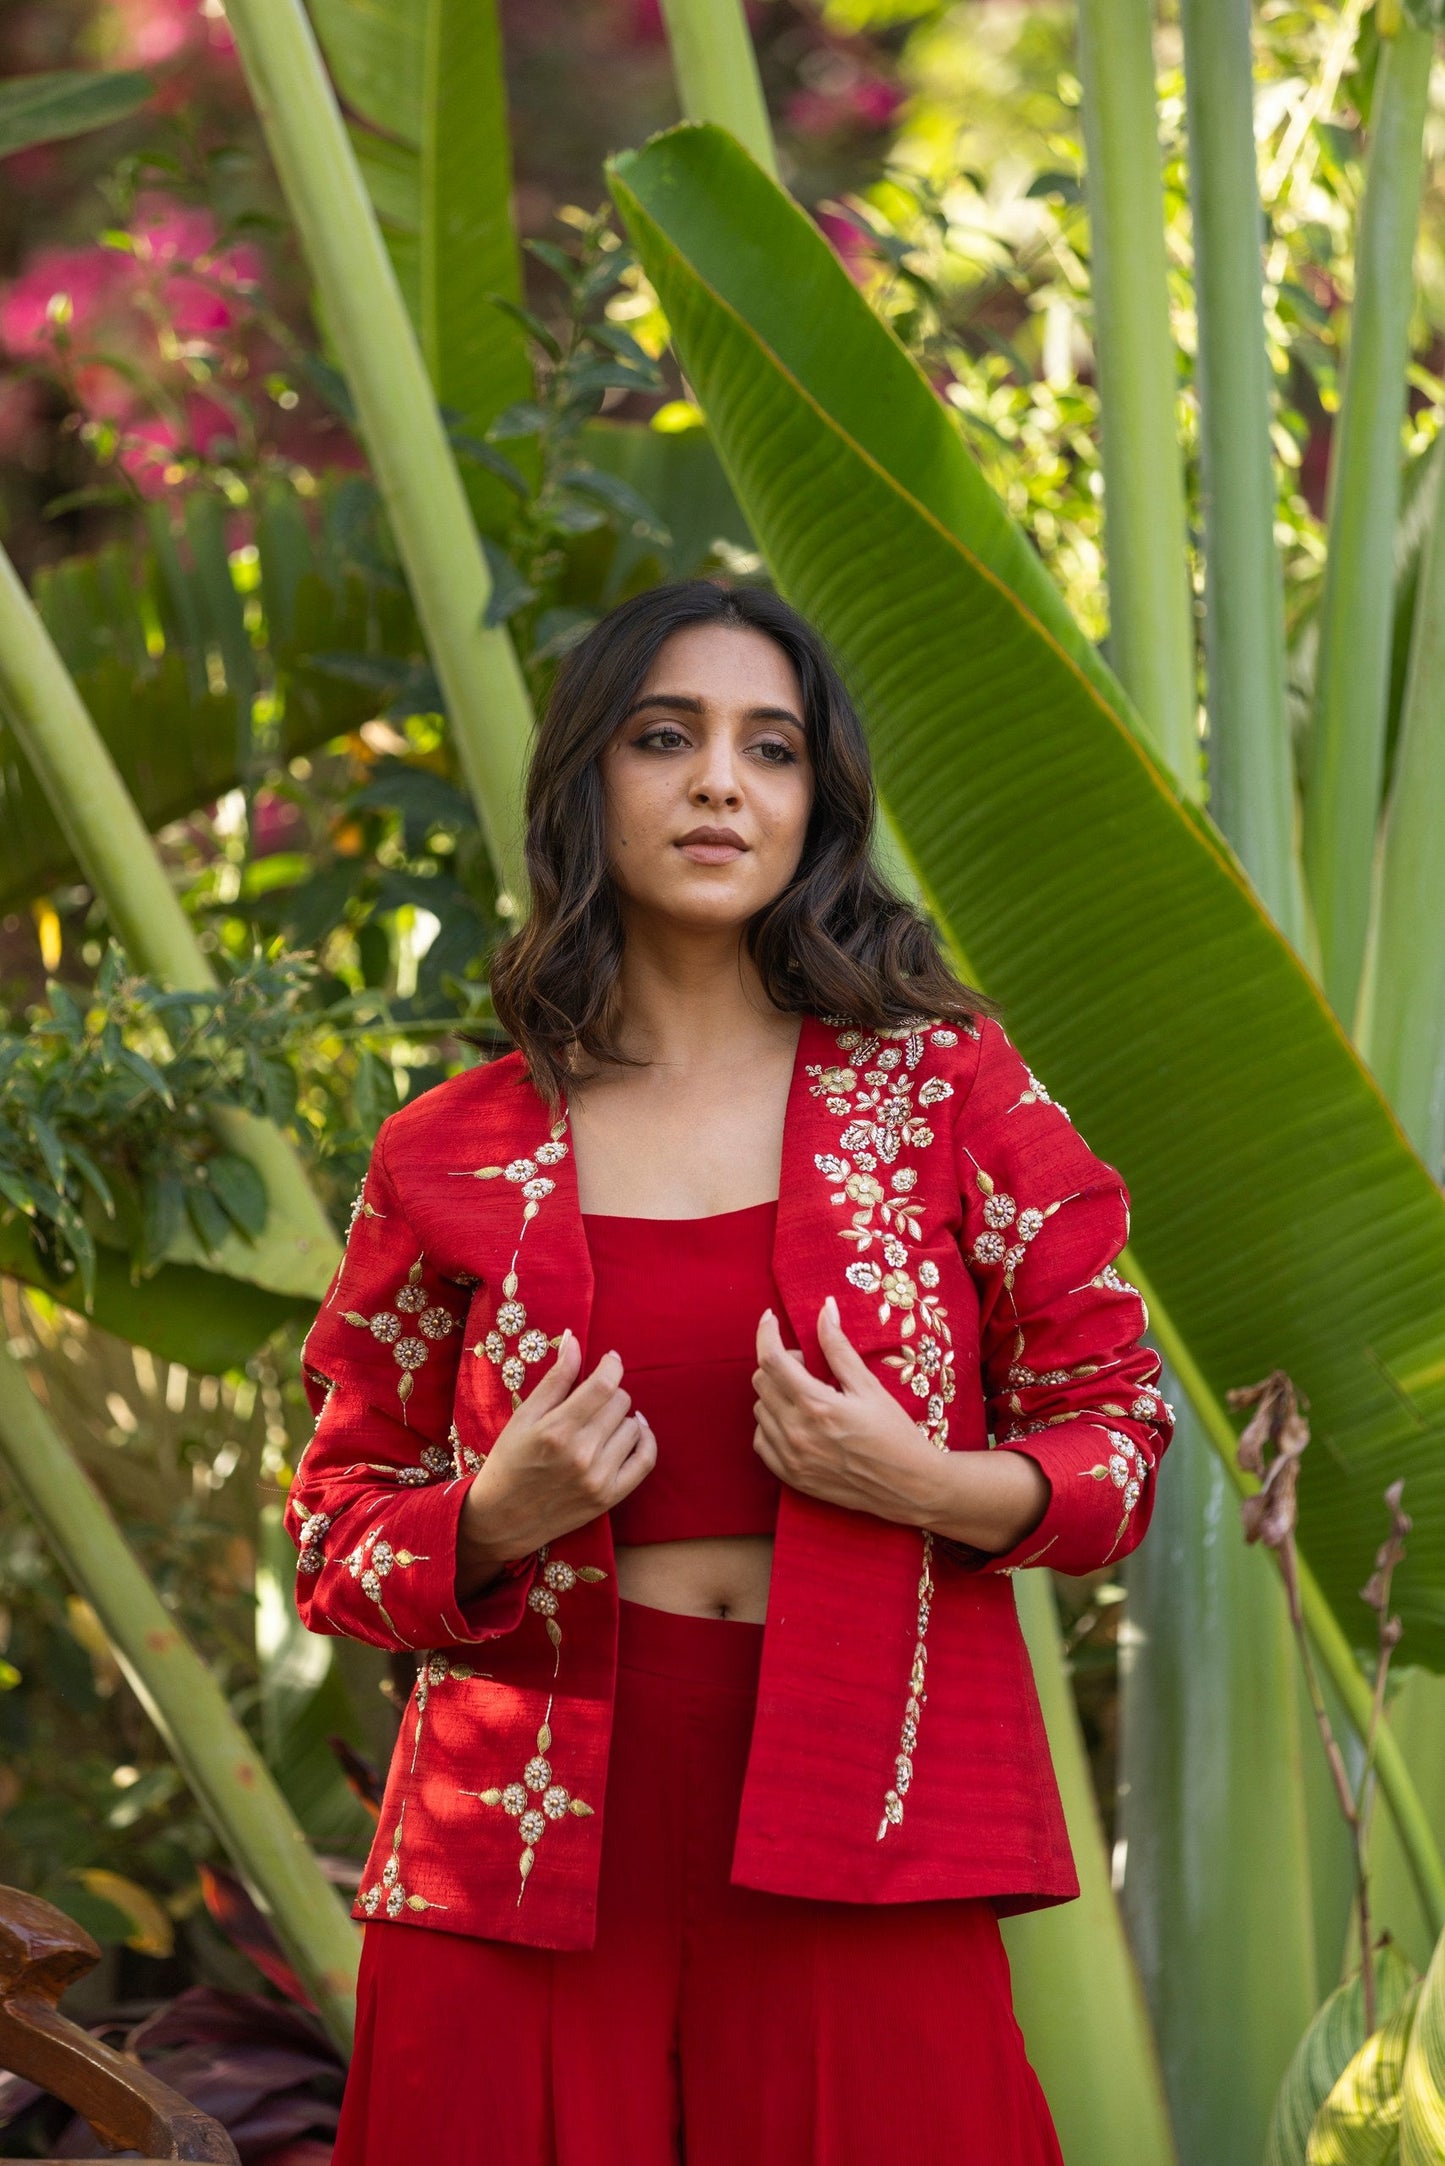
898, 1750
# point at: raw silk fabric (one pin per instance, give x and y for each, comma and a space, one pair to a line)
971, 1239
709, 2022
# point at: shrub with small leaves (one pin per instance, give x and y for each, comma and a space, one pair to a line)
107, 1111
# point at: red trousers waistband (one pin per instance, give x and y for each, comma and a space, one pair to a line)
721, 1651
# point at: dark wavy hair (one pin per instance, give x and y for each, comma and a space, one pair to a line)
836, 941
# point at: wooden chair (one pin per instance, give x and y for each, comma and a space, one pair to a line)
41, 1953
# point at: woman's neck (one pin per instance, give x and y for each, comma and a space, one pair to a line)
691, 1004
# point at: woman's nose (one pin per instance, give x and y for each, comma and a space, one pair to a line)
717, 784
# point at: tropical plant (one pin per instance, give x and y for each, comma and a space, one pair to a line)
1048, 812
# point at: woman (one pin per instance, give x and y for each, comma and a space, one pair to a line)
654, 1395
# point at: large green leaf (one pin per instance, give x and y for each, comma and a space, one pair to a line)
426, 80
1280, 1217
72, 101
176, 720
304, 1700
205, 1321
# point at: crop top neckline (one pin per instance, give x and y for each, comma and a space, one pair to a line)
710, 1218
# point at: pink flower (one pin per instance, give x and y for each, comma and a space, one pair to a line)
153, 32
62, 290
180, 239
154, 445
865, 101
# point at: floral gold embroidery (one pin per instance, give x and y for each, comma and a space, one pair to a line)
875, 1091
555, 1577
513, 1345
1008, 1230
310, 1535
913, 1705
372, 1562
535, 1802
433, 1670
388, 1892
1126, 1467
410, 1345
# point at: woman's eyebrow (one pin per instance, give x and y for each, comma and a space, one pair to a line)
690, 705
665, 699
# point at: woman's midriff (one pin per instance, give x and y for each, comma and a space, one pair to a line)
711, 1576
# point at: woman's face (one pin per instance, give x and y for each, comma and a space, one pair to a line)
708, 781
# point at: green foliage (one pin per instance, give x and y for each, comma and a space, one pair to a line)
107, 1106
46, 108
1332, 2039
1358, 2122
542, 573
197, 665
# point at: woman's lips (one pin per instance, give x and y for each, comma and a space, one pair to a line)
711, 853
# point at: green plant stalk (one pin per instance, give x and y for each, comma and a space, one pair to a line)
227, 1775
1342, 794
1214, 1654
488, 707
297, 1251
1251, 768
716, 71
1417, 1837
1151, 629
1402, 1033
1076, 1989
1212, 1806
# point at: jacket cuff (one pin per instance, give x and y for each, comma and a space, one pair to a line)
401, 1576
1101, 1496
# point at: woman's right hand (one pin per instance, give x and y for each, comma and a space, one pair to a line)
569, 1453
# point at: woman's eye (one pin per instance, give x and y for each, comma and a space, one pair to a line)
655, 736
777, 752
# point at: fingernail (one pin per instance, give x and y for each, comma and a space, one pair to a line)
832, 1307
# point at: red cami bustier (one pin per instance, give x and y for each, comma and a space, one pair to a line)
679, 1299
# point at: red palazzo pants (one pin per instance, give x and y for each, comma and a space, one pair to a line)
709, 2022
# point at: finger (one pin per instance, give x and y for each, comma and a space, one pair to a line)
553, 1385
595, 1390
791, 1380
774, 1430
838, 1350
765, 1444
595, 1435
640, 1460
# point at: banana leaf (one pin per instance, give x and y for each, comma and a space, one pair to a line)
205, 1321
1280, 1217
427, 83
178, 740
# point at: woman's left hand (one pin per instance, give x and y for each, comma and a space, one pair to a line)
849, 1443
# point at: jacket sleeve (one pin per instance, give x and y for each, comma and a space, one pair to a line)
377, 1497
1065, 1377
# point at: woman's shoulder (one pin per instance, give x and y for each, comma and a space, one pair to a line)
496, 1098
